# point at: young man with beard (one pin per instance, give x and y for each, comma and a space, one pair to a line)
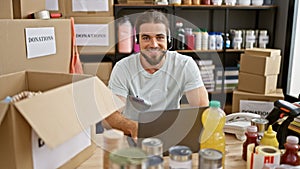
155, 75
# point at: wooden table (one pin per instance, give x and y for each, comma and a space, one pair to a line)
233, 157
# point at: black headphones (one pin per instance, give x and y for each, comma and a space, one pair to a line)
169, 39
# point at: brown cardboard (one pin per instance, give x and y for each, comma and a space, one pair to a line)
6, 9
263, 52
23, 8
100, 69
257, 83
13, 56
71, 13
98, 49
260, 65
241, 95
63, 110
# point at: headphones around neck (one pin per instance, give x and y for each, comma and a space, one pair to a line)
169, 39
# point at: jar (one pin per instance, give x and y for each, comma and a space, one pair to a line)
129, 157
230, 2
196, 2
152, 146
180, 157
216, 2
187, 2
205, 2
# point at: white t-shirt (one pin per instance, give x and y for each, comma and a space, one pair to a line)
163, 89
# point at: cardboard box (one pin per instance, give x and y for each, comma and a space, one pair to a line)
263, 52
68, 106
24, 8
101, 70
241, 95
260, 65
14, 52
6, 9
104, 30
105, 8
257, 83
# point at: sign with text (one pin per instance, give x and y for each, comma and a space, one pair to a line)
90, 5
92, 34
40, 42
262, 108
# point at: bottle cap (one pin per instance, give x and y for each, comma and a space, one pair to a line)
292, 139
214, 103
270, 132
252, 129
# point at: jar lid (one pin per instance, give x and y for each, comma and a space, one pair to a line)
252, 129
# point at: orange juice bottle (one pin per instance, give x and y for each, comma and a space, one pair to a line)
212, 136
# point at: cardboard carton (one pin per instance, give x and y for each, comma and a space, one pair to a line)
14, 56
66, 108
257, 83
263, 52
6, 9
260, 65
87, 47
24, 8
86, 11
241, 95
100, 69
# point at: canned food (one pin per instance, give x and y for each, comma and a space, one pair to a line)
180, 157
130, 157
210, 159
155, 162
152, 146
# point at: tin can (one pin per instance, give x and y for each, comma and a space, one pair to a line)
152, 146
155, 162
129, 157
210, 159
261, 125
180, 157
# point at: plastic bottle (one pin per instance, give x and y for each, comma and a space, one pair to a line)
211, 41
219, 41
125, 38
213, 120
204, 44
250, 39
263, 38
251, 135
290, 155
269, 138
180, 36
190, 39
227, 41
237, 40
198, 37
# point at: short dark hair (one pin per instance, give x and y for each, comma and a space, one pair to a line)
151, 16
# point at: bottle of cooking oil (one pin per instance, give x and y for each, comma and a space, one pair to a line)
212, 135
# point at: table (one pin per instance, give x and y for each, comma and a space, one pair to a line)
233, 157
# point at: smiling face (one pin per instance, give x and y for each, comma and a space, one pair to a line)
153, 42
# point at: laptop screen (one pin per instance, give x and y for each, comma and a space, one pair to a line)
173, 127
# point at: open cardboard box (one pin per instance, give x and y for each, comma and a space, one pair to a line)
66, 108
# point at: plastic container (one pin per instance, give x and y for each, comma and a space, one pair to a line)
230, 2
190, 39
180, 36
250, 39
257, 2
212, 136
219, 41
237, 40
263, 39
251, 135
290, 155
269, 138
125, 35
205, 2
204, 41
211, 41
198, 37
227, 41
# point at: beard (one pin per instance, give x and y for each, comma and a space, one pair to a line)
153, 59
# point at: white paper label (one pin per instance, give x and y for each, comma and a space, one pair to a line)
52, 5
92, 34
261, 108
89, 5
40, 42
46, 158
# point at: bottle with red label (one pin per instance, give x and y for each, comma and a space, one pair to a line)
190, 39
290, 155
251, 134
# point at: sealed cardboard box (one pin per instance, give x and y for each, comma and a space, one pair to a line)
241, 95
83, 8
6, 9
260, 65
17, 54
58, 118
95, 35
24, 8
100, 69
263, 52
257, 83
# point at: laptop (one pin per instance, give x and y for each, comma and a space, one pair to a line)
173, 127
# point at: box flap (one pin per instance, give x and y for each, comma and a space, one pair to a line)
3, 110
59, 114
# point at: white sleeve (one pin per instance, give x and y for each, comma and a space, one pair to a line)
192, 76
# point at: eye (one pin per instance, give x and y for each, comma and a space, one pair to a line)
160, 38
145, 38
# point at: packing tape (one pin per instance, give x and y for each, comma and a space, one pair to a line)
260, 155
42, 15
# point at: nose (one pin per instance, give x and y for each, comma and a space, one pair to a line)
153, 42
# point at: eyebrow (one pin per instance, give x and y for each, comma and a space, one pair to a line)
161, 34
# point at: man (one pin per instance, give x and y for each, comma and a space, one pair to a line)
157, 76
